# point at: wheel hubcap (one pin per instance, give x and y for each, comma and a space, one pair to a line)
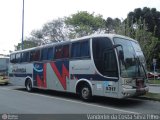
29, 86
85, 93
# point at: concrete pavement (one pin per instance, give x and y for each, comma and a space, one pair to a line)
154, 88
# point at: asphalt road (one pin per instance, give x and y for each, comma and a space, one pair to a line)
16, 100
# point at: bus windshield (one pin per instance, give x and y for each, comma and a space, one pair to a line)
131, 58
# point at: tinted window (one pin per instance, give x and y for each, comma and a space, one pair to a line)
44, 54
25, 57
129, 63
84, 49
18, 57
80, 49
58, 52
75, 51
50, 53
35, 55
104, 57
12, 58
66, 51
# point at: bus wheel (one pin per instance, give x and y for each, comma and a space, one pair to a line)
86, 93
29, 85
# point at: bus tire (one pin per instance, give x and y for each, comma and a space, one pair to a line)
28, 85
86, 93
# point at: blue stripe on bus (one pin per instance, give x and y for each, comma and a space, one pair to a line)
20, 75
77, 76
92, 77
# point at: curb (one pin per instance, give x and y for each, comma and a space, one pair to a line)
154, 85
147, 98
150, 96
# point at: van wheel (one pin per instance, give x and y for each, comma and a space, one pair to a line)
85, 93
29, 85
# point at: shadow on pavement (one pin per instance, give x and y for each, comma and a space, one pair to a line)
103, 101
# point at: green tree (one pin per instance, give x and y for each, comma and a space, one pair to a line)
112, 25
147, 41
55, 31
152, 31
27, 44
37, 36
84, 23
151, 17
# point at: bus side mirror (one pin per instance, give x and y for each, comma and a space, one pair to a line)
120, 53
117, 45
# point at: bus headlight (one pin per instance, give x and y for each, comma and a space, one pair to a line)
127, 86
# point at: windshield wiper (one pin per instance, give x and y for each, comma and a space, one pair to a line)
139, 65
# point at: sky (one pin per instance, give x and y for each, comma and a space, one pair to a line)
39, 12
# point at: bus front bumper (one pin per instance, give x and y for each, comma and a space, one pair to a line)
128, 92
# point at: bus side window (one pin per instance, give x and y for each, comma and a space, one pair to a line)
58, 52
25, 57
50, 54
75, 50
66, 51
12, 58
85, 49
35, 55
31, 55
44, 54
18, 58
80, 49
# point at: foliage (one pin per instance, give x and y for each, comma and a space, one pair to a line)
55, 31
141, 24
84, 23
26, 44
112, 25
152, 96
146, 39
154, 81
151, 17
148, 33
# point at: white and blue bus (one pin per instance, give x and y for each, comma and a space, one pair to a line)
99, 65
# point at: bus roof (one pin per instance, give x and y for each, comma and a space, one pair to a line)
102, 35
42, 46
1, 56
111, 36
